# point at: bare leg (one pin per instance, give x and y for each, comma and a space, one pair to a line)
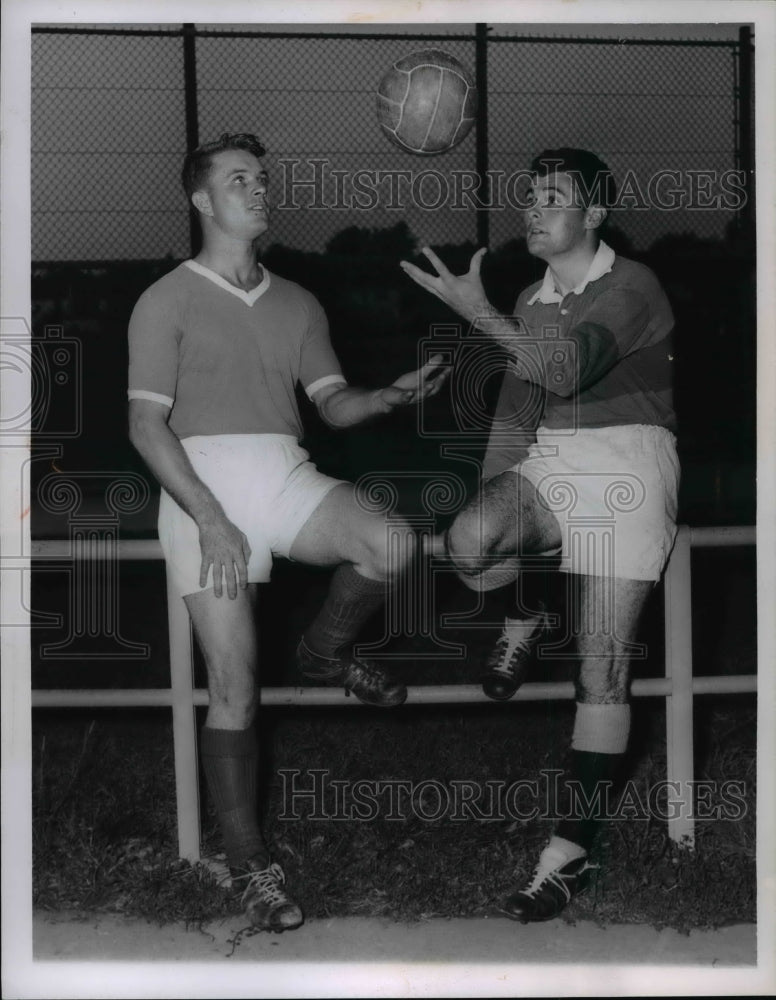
226, 633
340, 530
607, 614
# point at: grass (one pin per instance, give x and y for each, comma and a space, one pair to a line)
104, 834
104, 817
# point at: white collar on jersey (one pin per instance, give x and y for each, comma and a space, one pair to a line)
600, 265
247, 297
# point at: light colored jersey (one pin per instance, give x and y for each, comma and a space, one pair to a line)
227, 361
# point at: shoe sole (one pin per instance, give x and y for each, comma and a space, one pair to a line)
501, 697
397, 700
579, 891
275, 928
394, 703
527, 920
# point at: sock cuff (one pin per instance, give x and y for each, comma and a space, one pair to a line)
568, 849
601, 728
228, 742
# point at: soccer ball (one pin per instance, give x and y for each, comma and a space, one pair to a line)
426, 102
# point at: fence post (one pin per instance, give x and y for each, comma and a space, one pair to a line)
184, 732
744, 119
481, 129
192, 116
679, 702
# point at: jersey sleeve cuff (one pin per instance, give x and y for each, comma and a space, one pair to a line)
155, 397
321, 383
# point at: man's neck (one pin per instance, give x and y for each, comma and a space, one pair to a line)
234, 262
569, 269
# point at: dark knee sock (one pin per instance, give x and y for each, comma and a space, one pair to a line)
351, 601
590, 782
598, 748
230, 760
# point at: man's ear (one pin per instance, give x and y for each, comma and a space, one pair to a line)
595, 216
201, 201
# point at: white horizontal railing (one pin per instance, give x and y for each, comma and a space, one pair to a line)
678, 687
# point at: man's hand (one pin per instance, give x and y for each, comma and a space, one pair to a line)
415, 386
226, 549
463, 293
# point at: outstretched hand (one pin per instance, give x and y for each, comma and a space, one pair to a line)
416, 386
462, 292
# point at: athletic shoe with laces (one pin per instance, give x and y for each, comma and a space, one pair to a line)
363, 678
267, 904
552, 887
506, 666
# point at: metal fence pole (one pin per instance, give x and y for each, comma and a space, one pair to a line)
192, 116
679, 703
184, 725
745, 133
481, 126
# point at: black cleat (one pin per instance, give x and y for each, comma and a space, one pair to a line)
551, 889
507, 663
363, 678
267, 904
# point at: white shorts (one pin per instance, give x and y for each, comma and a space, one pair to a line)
267, 487
614, 493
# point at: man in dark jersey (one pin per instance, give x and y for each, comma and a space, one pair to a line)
598, 485
216, 348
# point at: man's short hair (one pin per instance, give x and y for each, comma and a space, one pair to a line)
196, 166
593, 178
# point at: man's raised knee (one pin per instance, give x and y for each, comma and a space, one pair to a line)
464, 545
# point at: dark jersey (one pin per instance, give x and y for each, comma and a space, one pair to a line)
602, 353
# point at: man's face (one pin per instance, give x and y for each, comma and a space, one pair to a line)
235, 195
556, 221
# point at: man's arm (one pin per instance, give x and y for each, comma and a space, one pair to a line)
344, 406
222, 544
587, 352
465, 294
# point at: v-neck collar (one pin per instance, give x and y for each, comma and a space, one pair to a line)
249, 298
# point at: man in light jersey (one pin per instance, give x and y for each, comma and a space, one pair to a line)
216, 348
599, 485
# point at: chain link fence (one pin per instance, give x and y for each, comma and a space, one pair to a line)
661, 116
112, 117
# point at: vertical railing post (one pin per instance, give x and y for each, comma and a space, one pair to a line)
679, 703
183, 725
